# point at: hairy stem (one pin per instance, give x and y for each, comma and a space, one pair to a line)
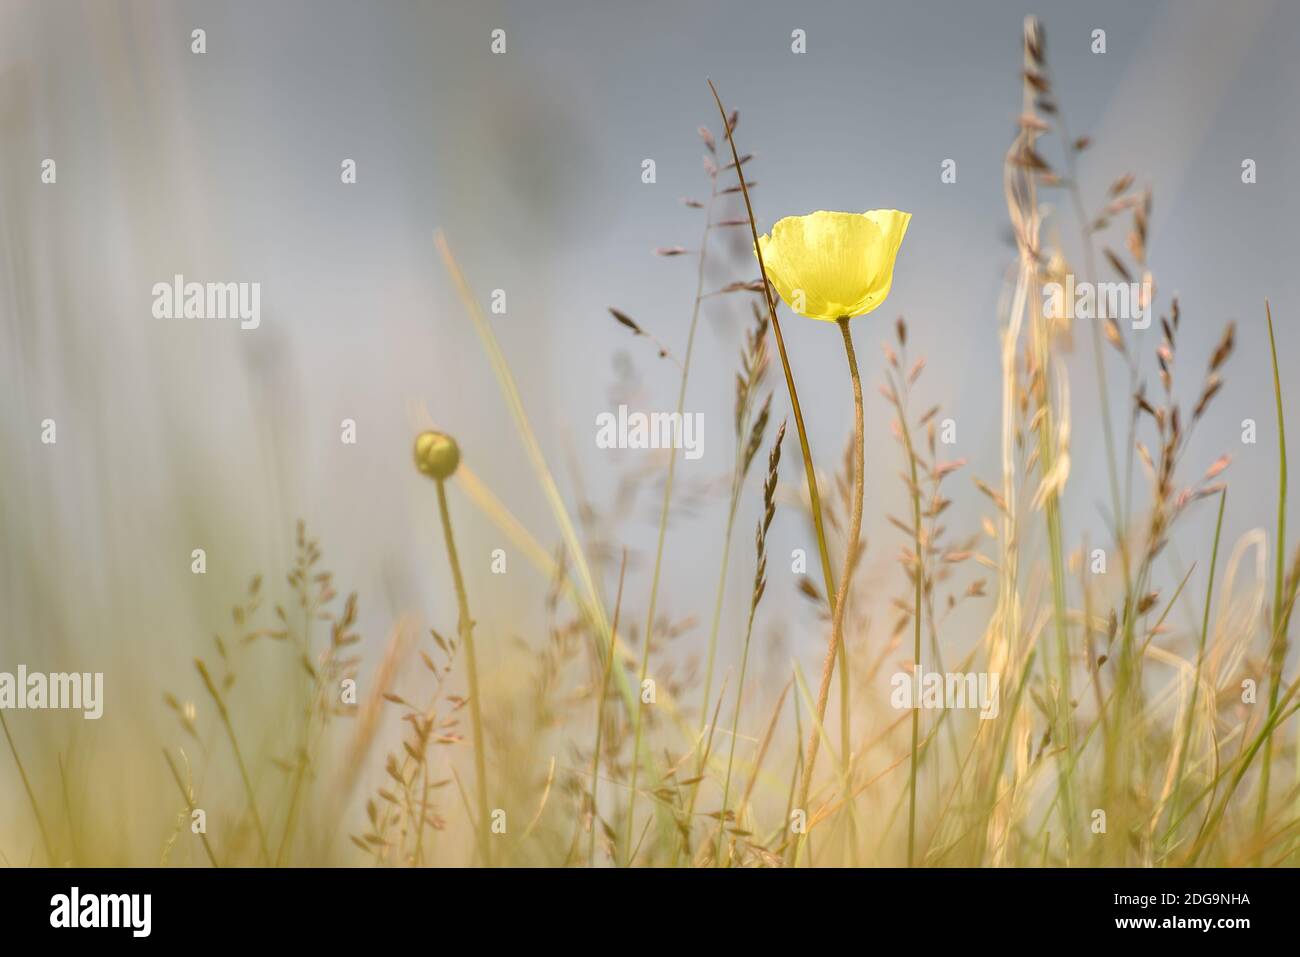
846, 575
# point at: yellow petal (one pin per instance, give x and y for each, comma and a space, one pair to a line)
826, 265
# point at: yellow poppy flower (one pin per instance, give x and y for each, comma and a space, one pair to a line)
830, 265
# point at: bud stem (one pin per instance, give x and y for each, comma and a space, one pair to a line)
466, 629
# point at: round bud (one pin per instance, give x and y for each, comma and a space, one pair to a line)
436, 454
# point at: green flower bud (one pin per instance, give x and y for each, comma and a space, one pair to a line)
436, 454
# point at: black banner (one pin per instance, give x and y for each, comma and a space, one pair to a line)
361, 906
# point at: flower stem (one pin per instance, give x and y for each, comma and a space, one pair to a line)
466, 628
810, 472
846, 575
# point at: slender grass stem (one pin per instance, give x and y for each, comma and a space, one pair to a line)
67, 813
810, 471
735, 733
1052, 513
731, 516
722, 586
1200, 662
1103, 382
1209, 827
713, 636
189, 806
305, 748
533, 447
650, 610
239, 757
423, 813
760, 586
663, 519
1119, 505
600, 718
1065, 715
1277, 649
466, 627
31, 795
919, 588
